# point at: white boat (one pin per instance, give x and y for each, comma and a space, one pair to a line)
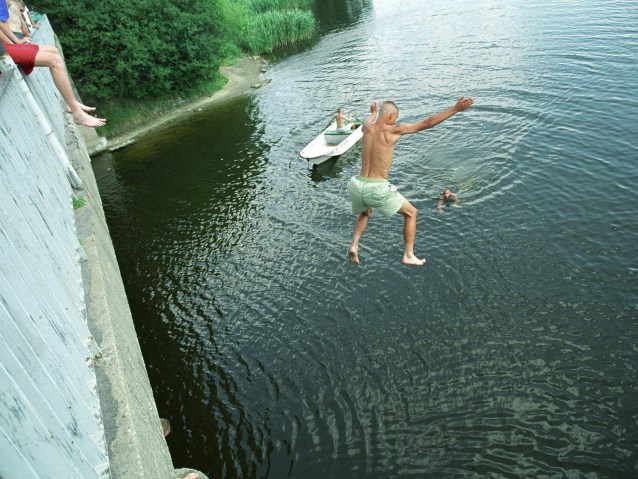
331, 142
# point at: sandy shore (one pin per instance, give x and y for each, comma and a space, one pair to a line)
243, 77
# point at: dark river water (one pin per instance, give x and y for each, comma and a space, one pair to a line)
512, 353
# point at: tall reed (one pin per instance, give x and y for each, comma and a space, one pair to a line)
274, 29
262, 6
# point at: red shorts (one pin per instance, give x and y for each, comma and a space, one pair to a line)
23, 55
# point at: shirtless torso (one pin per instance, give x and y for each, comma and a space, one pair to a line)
15, 17
380, 136
379, 139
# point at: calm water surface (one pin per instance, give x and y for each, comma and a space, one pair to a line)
513, 353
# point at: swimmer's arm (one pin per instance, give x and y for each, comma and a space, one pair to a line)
431, 121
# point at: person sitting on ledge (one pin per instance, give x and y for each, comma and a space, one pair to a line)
28, 18
28, 55
16, 21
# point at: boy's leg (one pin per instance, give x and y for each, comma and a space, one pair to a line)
359, 227
49, 57
409, 213
52, 49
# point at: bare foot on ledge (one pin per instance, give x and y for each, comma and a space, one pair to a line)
83, 107
81, 118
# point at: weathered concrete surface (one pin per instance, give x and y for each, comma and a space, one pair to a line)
187, 473
75, 399
50, 419
134, 436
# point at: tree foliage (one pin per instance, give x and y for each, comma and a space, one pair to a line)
139, 49
135, 49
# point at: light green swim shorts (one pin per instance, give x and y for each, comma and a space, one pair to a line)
375, 193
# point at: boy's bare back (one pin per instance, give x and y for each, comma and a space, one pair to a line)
379, 139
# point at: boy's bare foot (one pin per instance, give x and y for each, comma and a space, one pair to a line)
83, 107
81, 118
413, 260
353, 255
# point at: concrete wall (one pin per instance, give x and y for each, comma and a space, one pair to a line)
75, 399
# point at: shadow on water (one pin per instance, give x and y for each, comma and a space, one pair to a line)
333, 168
337, 14
177, 203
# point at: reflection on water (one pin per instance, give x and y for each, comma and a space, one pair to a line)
337, 14
511, 354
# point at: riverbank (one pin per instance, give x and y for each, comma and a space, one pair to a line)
243, 76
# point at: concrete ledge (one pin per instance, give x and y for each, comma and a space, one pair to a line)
81, 404
134, 436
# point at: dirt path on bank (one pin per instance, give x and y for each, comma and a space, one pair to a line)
243, 77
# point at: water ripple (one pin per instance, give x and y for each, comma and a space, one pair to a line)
511, 354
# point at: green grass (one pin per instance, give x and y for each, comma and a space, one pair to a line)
123, 115
275, 29
262, 6
264, 26
78, 202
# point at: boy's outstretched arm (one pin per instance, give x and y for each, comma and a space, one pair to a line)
461, 105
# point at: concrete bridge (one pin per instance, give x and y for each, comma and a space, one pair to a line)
75, 398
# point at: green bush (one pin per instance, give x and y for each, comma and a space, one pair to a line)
234, 19
116, 48
154, 49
